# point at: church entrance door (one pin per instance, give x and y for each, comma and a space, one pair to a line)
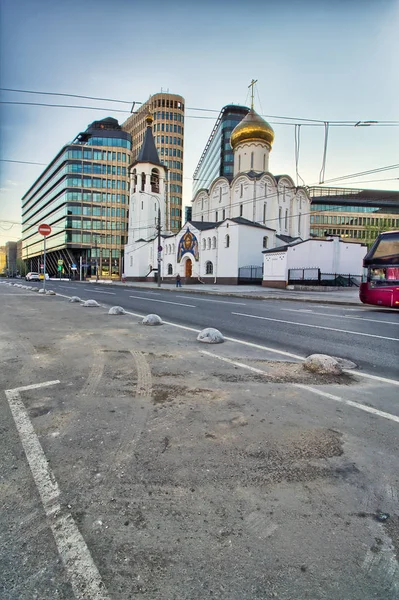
189, 268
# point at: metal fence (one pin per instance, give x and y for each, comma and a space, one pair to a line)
251, 274
315, 277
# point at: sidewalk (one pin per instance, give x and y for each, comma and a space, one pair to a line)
255, 292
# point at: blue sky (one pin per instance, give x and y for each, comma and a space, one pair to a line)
328, 60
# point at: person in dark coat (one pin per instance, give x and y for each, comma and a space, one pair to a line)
178, 280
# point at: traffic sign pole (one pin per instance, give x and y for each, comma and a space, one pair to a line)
44, 263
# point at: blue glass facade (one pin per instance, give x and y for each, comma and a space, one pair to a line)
217, 158
84, 196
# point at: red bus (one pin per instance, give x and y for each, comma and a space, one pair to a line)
380, 285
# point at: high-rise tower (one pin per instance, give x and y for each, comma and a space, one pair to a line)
167, 111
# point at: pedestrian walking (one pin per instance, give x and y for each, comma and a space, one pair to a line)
178, 280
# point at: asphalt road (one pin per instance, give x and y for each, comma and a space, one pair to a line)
365, 335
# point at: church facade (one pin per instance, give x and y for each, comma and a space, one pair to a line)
232, 223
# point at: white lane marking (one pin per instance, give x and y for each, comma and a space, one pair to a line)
99, 291
369, 409
380, 337
230, 339
163, 301
218, 301
233, 362
339, 316
83, 574
35, 386
375, 377
70, 287
308, 388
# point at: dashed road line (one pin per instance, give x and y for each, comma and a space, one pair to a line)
380, 337
163, 301
83, 574
218, 301
99, 291
339, 316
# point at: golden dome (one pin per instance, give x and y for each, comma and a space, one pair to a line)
251, 129
149, 120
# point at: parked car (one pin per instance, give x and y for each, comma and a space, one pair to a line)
32, 277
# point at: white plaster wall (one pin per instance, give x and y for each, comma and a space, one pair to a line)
329, 256
242, 157
275, 267
250, 245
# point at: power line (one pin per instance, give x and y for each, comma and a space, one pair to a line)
361, 173
23, 162
354, 122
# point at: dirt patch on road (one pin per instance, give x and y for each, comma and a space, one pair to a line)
284, 372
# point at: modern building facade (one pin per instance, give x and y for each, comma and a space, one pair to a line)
167, 111
11, 258
3, 260
353, 214
217, 159
83, 195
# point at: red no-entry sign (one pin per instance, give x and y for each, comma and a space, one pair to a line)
44, 229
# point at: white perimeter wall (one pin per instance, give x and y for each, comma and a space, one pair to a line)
330, 256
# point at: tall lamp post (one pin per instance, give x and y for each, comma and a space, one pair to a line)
159, 227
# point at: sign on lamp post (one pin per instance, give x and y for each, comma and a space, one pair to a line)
44, 230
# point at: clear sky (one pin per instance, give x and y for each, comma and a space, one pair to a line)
315, 59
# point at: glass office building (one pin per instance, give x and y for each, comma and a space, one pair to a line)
217, 158
354, 214
83, 195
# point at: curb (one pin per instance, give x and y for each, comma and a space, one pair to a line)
245, 296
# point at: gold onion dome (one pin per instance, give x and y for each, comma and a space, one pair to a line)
251, 129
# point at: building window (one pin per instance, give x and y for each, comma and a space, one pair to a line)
204, 244
155, 181
265, 241
214, 242
224, 214
209, 243
170, 269
220, 194
239, 162
286, 220
299, 223
241, 190
216, 216
227, 241
241, 210
252, 160
142, 182
209, 268
279, 216
264, 212
264, 162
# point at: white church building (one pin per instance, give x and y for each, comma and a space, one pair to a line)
232, 222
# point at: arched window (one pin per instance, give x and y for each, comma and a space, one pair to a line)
224, 214
220, 194
214, 242
264, 162
202, 204
209, 268
227, 241
252, 160
265, 241
204, 244
173, 248
209, 243
299, 223
239, 162
170, 269
279, 216
155, 181
286, 219
142, 182
134, 180
264, 212
241, 190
